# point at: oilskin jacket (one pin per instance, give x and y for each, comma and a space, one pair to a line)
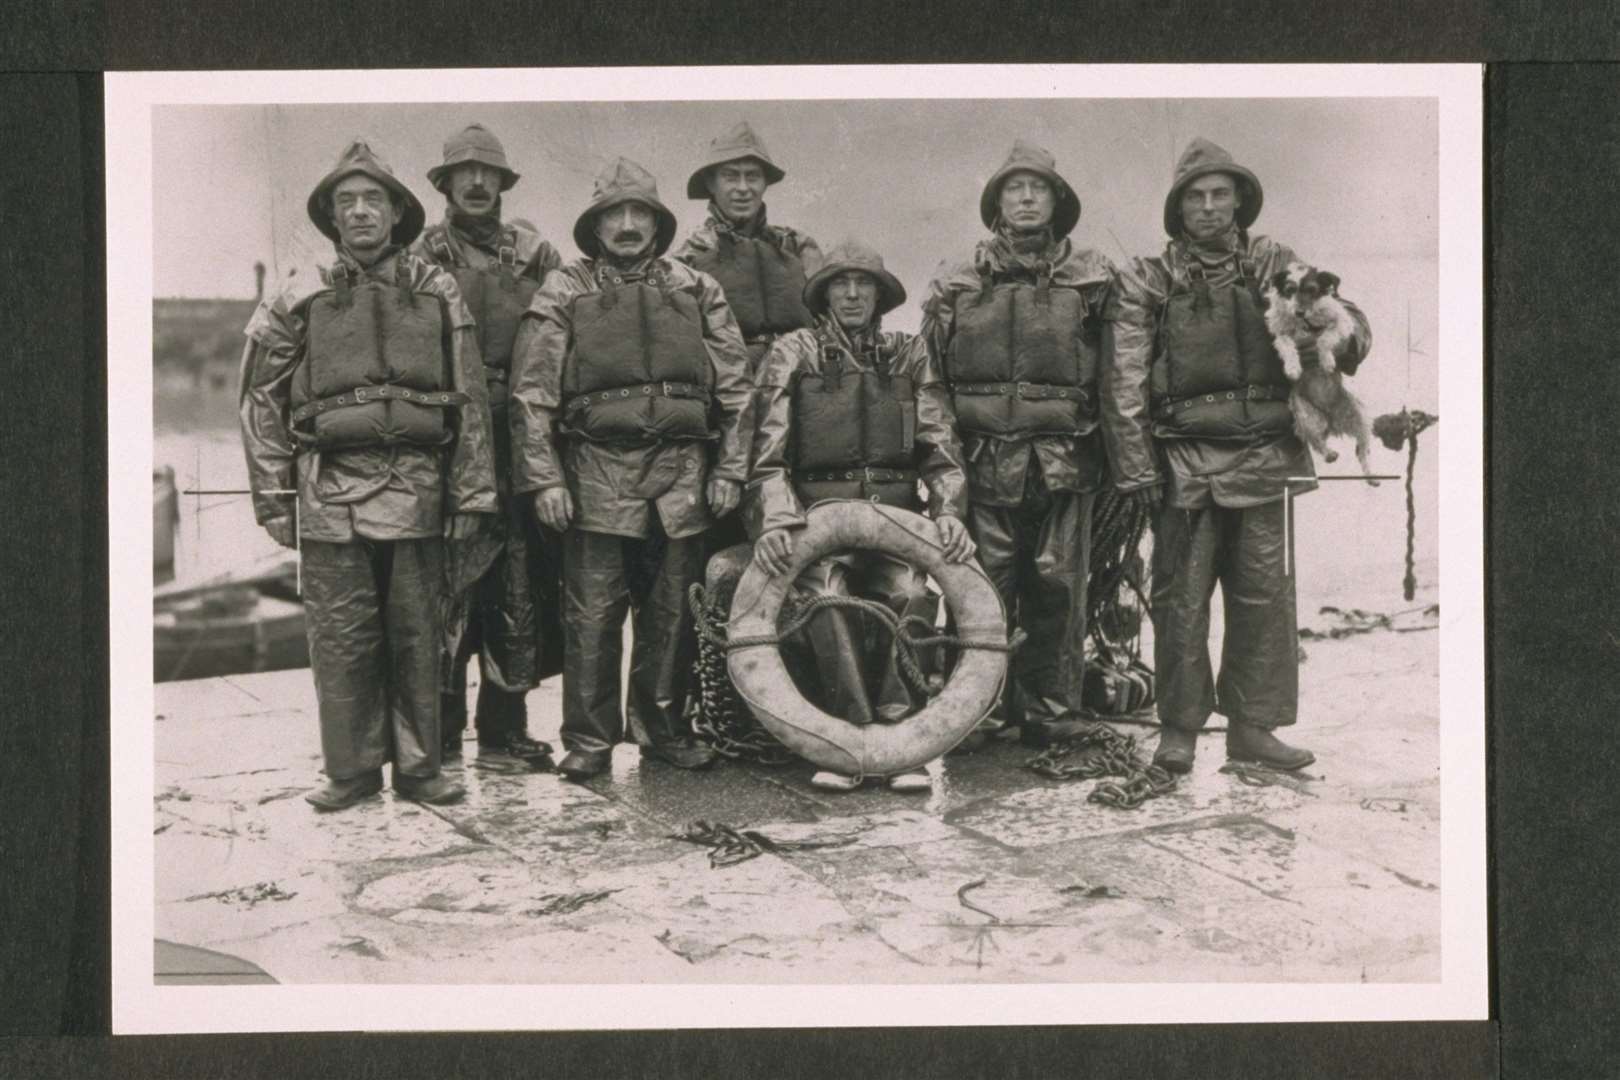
761, 267
498, 278
850, 417
629, 384
427, 460
510, 571
1194, 394
1018, 337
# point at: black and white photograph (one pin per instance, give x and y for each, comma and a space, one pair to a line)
796, 546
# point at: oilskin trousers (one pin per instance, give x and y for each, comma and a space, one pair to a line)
1242, 549
606, 577
1037, 554
511, 628
372, 608
845, 658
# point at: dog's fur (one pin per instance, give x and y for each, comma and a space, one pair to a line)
1303, 299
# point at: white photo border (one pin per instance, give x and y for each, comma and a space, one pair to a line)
140, 1007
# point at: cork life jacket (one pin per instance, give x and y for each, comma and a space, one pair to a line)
853, 430
637, 369
376, 370
763, 284
1023, 360
497, 297
1215, 372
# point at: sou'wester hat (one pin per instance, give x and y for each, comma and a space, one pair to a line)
622, 181
358, 157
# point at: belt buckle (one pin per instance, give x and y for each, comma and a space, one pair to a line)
359, 395
666, 386
1021, 389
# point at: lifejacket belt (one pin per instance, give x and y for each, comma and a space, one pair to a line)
763, 682
1215, 372
637, 368
1023, 360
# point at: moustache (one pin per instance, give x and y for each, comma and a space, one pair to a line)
628, 236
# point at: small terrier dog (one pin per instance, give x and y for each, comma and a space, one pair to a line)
1305, 300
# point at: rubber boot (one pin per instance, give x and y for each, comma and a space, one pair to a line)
1176, 750
342, 794
1246, 742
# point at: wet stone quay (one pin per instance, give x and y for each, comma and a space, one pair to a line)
997, 875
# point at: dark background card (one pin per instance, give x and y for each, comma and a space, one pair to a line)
1553, 155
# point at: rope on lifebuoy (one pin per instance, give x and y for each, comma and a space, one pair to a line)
758, 625
905, 643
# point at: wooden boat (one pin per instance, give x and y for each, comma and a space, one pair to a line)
242, 621
165, 521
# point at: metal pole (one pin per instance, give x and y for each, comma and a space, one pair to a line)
1288, 527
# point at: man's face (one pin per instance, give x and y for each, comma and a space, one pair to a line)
474, 187
852, 298
738, 188
627, 230
364, 212
1027, 201
1208, 205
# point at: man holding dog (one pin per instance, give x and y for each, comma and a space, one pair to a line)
846, 410
363, 390
631, 411
1198, 424
1017, 331
510, 618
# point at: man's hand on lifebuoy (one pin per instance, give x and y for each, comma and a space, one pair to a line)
953, 536
554, 508
774, 550
281, 531
461, 526
723, 495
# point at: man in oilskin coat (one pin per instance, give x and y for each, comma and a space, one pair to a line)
761, 266
847, 410
1016, 331
510, 619
1199, 426
362, 389
631, 417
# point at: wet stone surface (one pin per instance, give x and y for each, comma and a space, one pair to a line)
996, 875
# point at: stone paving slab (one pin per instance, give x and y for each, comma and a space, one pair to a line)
997, 875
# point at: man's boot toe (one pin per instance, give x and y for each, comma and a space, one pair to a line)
342, 794
433, 790
1176, 750
1248, 743
579, 765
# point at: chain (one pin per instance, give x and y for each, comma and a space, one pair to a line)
1100, 752
721, 718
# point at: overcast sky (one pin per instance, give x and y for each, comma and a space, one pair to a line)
1345, 180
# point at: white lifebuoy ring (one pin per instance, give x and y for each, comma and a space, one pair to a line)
880, 749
